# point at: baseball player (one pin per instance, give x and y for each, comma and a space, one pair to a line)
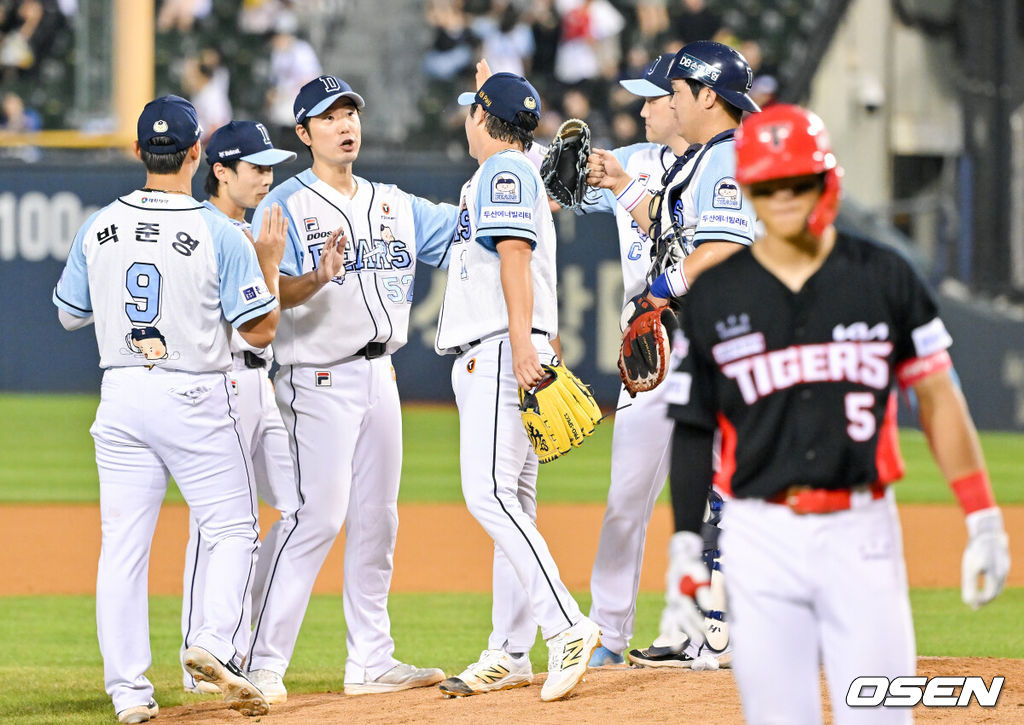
346, 287
500, 318
697, 219
793, 349
242, 159
165, 279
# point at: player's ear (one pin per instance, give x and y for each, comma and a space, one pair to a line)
137, 149
196, 151
303, 134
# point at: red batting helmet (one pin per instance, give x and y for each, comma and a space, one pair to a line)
784, 141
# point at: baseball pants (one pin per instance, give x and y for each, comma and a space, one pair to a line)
265, 436
499, 483
152, 423
807, 591
345, 425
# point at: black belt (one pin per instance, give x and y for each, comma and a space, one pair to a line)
473, 343
252, 360
372, 350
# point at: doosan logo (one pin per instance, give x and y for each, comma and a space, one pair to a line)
927, 691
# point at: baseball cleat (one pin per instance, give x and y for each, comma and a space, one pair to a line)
655, 656
495, 670
568, 656
202, 688
139, 713
271, 685
399, 677
239, 693
603, 656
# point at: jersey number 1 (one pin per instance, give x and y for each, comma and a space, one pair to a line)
143, 283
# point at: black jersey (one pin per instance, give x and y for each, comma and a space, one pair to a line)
801, 385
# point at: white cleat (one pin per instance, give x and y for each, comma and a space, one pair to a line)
495, 670
139, 713
271, 685
399, 677
239, 693
568, 656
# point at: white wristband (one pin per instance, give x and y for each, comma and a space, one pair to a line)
631, 196
676, 278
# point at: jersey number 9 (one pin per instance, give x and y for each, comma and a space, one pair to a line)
143, 283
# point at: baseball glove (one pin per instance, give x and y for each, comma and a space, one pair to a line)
564, 168
558, 413
646, 345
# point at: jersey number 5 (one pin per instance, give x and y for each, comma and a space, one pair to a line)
143, 283
860, 413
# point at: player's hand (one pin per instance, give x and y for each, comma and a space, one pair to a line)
605, 172
986, 560
483, 72
332, 257
526, 364
273, 234
688, 590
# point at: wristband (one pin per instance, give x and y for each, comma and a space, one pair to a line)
680, 289
974, 492
631, 196
659, 287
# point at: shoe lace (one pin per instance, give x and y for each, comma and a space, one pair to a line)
486, 660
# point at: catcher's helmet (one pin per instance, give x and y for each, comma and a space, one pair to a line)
785, 141
720, 68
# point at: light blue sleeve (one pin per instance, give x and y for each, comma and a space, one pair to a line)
72, 291
506, 194
243, 291
291, 262
723, 213
435, 228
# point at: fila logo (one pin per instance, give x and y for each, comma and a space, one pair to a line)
311, 224
322, 378
331, 84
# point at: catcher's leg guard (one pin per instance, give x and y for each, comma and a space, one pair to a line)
716, 628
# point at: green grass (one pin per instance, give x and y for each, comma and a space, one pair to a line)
48, 457
52, 655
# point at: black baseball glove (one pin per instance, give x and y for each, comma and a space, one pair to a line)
564, 168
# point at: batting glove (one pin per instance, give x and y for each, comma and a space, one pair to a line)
986, 561
687, 589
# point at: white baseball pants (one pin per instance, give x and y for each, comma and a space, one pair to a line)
499, 483
812, 590
345, 424
151, 423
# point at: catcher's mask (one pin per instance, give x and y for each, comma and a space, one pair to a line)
787, 141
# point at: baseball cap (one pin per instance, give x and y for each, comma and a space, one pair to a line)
320, 94
504, 95
655, 81
247, 141
172, 117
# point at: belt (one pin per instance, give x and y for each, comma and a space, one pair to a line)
466, 347
804, 500
252, 360
372, 350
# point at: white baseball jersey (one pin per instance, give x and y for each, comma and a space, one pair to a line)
703, 201
647, 163
387, 231
504, 198
164, 276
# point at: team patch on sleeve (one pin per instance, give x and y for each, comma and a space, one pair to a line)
724, 220
931, 338
254, 292
727, 194
506, 188
491, 215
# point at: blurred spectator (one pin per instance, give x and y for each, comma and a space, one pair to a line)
506, 41
576, 104
588, 49
205, 82
693, 20
651, 18
293, 63
451, 51
27, 30
181, 15
259, 17
764, 90
15, 117
625, 130
546, 26
751, 50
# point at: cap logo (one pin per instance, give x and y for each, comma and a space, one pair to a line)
775, 135
229, 152
484, 98
700, 69
530, 102
331, 83
160, 126
263, 132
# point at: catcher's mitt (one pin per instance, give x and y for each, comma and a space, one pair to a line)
564, 168
558, 413
646, 346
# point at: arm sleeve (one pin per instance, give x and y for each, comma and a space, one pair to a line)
243, 291
506, 194
723, 213
291, 262
72, 291
436, 225
690, 475
690, 392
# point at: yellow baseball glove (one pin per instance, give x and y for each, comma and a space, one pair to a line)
558, 413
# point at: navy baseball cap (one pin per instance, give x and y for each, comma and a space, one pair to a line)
504, 95
655, 81
247, 141
171, 117
320, 94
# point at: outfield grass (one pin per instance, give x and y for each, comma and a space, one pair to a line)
52, 656
48, 456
